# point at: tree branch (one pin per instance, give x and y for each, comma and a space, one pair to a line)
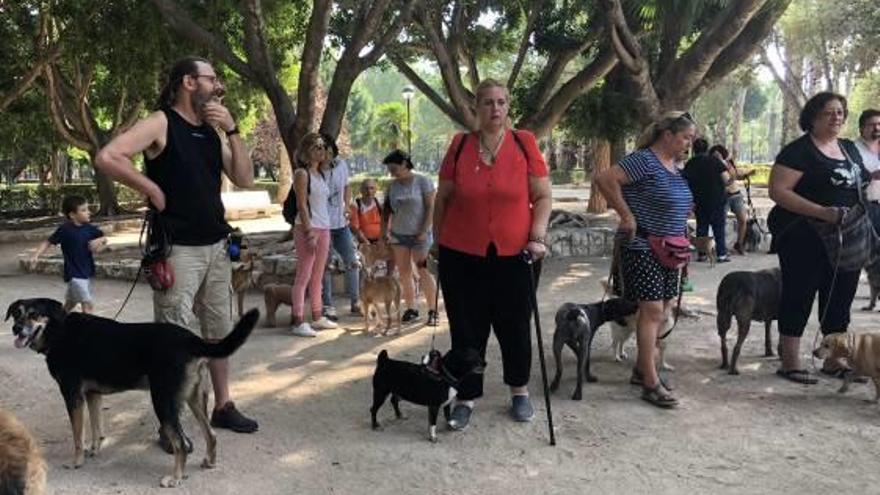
183, 25
381, 45
550, 113
429, 92
536, 7
28, 78
309, 65
684, 75
55, 111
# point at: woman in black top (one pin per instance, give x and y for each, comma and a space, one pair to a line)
813, 178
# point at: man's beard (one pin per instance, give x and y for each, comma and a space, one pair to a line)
199, 99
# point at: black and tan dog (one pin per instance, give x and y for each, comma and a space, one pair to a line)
22, 469
432, 384
89, 356
747, 296
576, 325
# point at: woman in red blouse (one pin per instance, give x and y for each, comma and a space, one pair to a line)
493, 202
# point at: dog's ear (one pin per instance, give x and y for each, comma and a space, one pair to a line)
11, 309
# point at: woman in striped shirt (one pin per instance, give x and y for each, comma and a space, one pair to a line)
652, 199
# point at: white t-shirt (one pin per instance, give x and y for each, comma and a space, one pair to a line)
871, 161
318, 202
337, 179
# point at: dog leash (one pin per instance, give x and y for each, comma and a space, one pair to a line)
153, 243
530, 260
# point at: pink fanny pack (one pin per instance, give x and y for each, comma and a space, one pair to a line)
672, 251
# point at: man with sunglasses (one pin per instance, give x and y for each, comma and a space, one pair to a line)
184, 157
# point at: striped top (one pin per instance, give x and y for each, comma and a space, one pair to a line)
660, 200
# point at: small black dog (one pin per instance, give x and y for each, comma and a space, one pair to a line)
748, 296
576, 325
431, 384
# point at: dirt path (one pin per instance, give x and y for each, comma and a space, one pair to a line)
752, 433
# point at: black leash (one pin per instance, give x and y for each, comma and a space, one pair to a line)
154, 243
529, 259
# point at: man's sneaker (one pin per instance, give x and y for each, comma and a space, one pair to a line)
165, 443
303, 330
230, 418
460, 417
356, 310
410, 315
329, 312
433, 319
521, 408
324, 323
723, 259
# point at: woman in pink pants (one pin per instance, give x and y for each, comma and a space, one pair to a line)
311, 234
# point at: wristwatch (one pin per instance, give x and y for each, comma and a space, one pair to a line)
233, 131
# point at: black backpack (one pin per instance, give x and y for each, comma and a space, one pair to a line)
290, 209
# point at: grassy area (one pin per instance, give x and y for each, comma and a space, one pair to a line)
762, 172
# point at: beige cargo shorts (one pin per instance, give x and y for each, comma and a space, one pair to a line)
201, 298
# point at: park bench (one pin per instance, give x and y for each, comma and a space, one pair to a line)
242, 205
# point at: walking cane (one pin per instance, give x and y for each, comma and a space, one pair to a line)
529, 259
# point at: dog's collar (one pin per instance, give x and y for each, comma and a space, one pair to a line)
440, 374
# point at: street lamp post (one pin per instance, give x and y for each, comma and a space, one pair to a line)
408, 93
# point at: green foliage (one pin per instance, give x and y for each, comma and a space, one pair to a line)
567, 176
755, 103
389, 128
360, 117
601, 113
36, 200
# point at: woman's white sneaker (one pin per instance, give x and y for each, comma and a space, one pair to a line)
303, 330
324, 323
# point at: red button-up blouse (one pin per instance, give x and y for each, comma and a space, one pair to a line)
490, 204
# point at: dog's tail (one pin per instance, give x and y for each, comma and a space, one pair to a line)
383, 357
231, 342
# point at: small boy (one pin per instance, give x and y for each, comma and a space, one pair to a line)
79, 240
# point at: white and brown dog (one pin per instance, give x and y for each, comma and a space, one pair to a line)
861, 351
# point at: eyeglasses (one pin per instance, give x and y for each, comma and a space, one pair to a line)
214, 79
319, 147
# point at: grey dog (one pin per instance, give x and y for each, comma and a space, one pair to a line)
748, 296
576, 325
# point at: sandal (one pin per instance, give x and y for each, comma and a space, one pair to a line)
638, 379
798, 376
659, 397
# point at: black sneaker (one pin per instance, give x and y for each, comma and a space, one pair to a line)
433, 319
165, 443
231, 419
410, 315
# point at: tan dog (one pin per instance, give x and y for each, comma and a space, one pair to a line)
706, 245
243, 276
860, 350
275, 295
22, 469
380, 289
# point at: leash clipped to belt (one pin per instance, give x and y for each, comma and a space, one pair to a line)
530, 264
155, 246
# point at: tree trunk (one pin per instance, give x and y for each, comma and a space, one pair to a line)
736, 117
285, 177
602, 157
108, 204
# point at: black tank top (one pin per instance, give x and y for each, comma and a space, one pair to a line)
188, 172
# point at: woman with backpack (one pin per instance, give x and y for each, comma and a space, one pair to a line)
493, 203
311, 234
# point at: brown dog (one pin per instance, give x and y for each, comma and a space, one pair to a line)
275, 295
860, 350
22, 469
378, 289
706, 245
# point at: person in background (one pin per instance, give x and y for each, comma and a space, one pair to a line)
868, 144
311, 234
79, 240
706, 176
735, 200
406, 226
335, 171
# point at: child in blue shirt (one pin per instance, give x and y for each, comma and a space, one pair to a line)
79, 240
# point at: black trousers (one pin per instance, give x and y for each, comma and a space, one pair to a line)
489, 293
807, 270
